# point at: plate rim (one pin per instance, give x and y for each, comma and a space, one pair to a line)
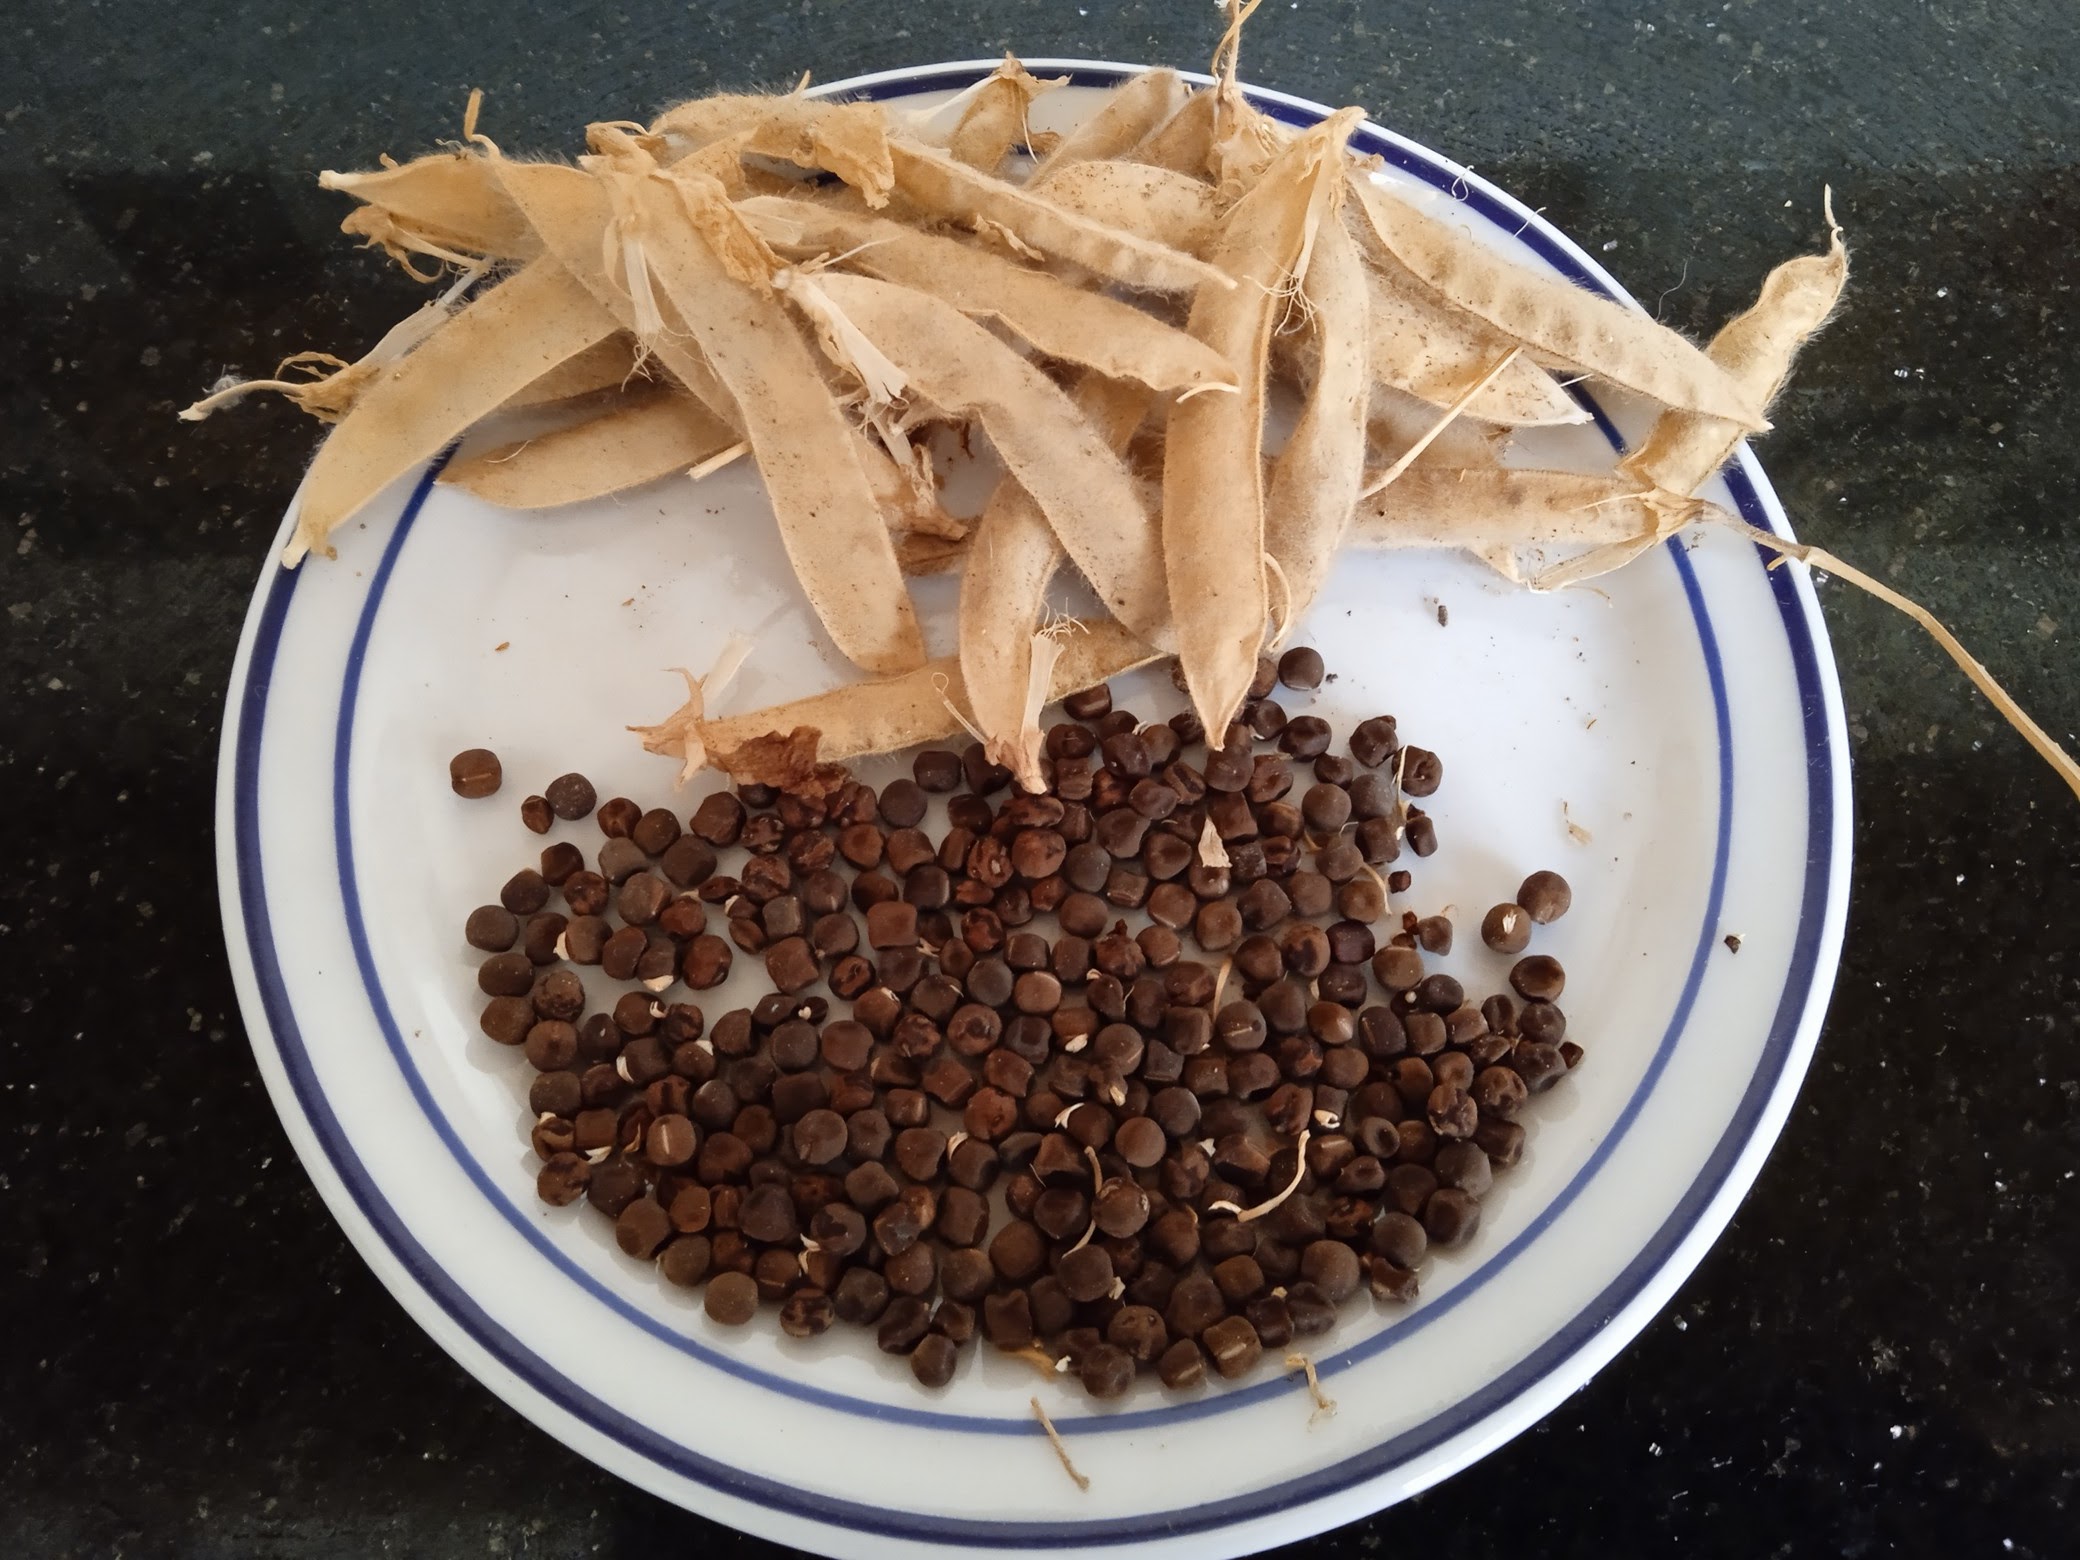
1751, 1134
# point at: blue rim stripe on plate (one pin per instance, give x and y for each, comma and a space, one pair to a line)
1369, 1464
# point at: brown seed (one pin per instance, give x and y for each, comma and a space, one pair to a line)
1538, 978
807, 1313
894, 924
861, 1296
1451, 1216
719, 820
1182, 1366
1506, 928
1422, 772
932, 1362
617, 817
474, 773
1233, 1346
1301, 668
562, 1180
642, 1228
1086, 1273
535, 814
1545, 896
731, 1299
706, 963
791, 965
1375, 741
570, 796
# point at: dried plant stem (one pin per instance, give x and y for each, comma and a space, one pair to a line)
2035, 735
1324, 1405
1061, 1447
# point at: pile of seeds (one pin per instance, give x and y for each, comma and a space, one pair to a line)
1142, 1071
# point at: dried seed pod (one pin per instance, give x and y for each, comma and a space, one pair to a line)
641, 438
1130, 112
1315, 480
497, 343
1213, 494
1163, 207
935, 183
1550, 316
1069, 323
1050, 447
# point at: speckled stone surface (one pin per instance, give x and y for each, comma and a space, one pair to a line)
1880, 1356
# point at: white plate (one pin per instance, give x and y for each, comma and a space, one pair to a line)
1685, 714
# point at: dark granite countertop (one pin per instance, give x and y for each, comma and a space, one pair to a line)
1878, 1358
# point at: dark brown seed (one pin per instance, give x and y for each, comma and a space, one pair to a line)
706, 963
1182, 1366
535, 813
719, 820
1266, 718
619, 859
1233, 1346
1438, 994
570, 796
1506, 928
1538, 978
1239, 1277
1273, 1322
1007, 1319
791, 965
1326, 807
1305, 737
1434, 934
475, 773
1540, 1021
807, 1313
558, 994
585, 893
552, 1045
1089, 704
642, 1228
1422, 772
562, 1180
932, 1362
656, 831
1539, 1064
691, 1208
861, 1296
1018, 1251
1334, 769
492, 928
526, 891
1421, 834
686, 1260
1545, 896
641, 898
1375, 741
1500, 1092
1464, 1166
1086, 1273
1451, 1216
614, 1185
559, 861
731, 1299
936, 770
1139, 1331
914, 1270
618, 817
1301, 668
1106, 1371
